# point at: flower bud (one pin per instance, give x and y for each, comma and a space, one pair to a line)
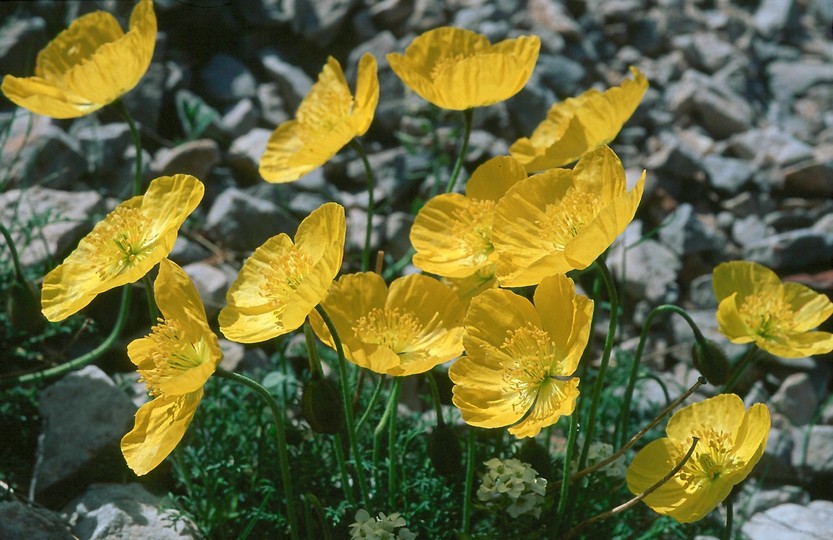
710, 361
444, 450
23, 308
322, 407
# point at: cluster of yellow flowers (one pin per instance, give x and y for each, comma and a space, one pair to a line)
516, 359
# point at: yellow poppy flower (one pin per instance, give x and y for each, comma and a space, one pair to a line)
562, 219
755, 306
577, 125
731, 441
283, 281
89, 65
452, 233
403, 330
459, 69
327, 119
122, 247
175, 360
520, 358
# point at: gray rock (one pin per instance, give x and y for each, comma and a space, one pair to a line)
145, 101
186, 251
564, 76
749, 231
19, 38
85, 416
211, 282
812, 180
319, 21
790, 250
67, 217
788, 80
103, 145
812, 451
356, 229
125, 512
764, 499
777, 460
792, 522
46, 156
726, 174
774, 16
397, 231
18, 521
647, 270
196, 158
717, 107
687, 234
243, 222
706, 51
226, 79
796, 399
770, 144
293, 82
245, 152
272, 107
303, 203
701, 293
241, 118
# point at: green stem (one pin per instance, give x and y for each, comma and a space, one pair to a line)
348, 409
568, 458
727, 534
371, 184
608, 346
624, 415
395, 268
435, 397
280, 431
342, 469
469, 483
18, 268
137, 142
312, 352
84, 359
740, 368
458, 165
373, 399
378, 432
392, 450
153, 310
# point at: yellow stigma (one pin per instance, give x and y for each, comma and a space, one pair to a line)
288, 271
472, 228
172, 354
120, 241
767, 314
392, 328
566, 218
533, 360
711, 458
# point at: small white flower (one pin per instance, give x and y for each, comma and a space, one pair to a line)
512, 484
379, 528
600, 451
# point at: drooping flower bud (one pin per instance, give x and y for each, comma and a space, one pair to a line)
444, 450
23, 308
322, 406
711, 361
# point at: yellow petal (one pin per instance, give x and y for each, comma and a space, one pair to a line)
555, 399
282, 282
730, 322
87, 66
751, 439
122, 247
811, 308
327, 119
566, 316
797, 345
491, 180
579, 125
744, 278
458, 69
160, 425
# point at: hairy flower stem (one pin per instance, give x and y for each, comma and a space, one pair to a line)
18, 268
464, 147
568, 459
84, 359
280, 431
348, 409
435, 397
632, 502
740, 368
153, 310
469, 483
377, 392
137, 142
342, 469
608, 347
393, 404
624, 415
371, 185
727, 533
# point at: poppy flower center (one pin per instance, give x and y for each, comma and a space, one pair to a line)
563, 220
390, 327
766, 314
711, 459
533, 357
121, 240
287, 271
172, 355
472, 227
